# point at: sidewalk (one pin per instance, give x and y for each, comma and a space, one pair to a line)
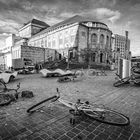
16, 124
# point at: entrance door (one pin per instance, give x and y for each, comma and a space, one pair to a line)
101, 57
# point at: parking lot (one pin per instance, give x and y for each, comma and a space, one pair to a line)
16, 123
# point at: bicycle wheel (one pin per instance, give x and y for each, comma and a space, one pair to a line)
118, 83
109, 116
2, 86
5, 99
42, 104
121, 82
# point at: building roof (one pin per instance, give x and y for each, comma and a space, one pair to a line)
74, 19
36, 21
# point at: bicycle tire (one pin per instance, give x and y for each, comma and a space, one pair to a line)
115, 117
118, 83
2, 87
121, 82
6, 98
36, 106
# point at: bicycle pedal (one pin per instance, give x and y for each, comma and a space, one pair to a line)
72, 121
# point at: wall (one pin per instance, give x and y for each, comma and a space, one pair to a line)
25, 32
36, 54
82, 37
59, 39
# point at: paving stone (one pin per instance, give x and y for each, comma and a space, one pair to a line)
136, 136
91, 136
22, 130
90, 128
50, 132
122, 137
70, 134
96, 132
64, 137
4, 133
38, 138
80, 127
114, 136
103, 136
126, 133
85, 132
56, 136
75, 130
44, 136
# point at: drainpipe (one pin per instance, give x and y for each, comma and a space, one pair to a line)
44, 55
88, 46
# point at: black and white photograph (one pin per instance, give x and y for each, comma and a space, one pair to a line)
69, 69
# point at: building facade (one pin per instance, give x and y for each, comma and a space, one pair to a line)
120, 47
7, 51
67, 39
72, 35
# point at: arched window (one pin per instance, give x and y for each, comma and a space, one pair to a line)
93, 56
107, 41
102, 39
101, 58
94, 38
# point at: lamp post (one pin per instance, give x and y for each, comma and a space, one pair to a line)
68, 60
4, 62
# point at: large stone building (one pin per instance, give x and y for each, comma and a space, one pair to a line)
66, 39
74, 34
120, 47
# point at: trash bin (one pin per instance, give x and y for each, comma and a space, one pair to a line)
124, 68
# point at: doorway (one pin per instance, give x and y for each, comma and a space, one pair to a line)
101, 58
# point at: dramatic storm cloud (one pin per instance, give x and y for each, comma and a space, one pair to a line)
119, 15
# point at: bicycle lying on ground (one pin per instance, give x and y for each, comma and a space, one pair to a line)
81, 74
97, 112
7, 95
133, 78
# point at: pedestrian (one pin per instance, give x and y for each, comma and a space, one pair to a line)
37, 68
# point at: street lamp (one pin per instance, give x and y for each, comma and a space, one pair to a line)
4, 62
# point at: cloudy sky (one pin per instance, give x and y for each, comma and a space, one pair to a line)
119, 15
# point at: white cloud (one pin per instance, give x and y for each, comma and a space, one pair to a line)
51, 20
105, 13
67, 15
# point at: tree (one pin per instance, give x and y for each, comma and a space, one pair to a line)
86, 54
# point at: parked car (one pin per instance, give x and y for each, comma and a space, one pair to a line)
8, 76
26, 71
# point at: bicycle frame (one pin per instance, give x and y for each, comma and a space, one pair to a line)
102, 114
133, 78
5, 89
79, 106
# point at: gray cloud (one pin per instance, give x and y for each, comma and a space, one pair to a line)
116, 13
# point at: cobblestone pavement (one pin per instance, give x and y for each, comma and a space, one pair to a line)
17, 124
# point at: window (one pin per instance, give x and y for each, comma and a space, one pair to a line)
107, 41
102, 39
93, 57
60, 38
94, 39
49, 44
83, 34
60, 41
45, 43
72, 38
66, 40
53, 43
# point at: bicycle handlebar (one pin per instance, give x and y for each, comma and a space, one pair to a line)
18, 86
58, 93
